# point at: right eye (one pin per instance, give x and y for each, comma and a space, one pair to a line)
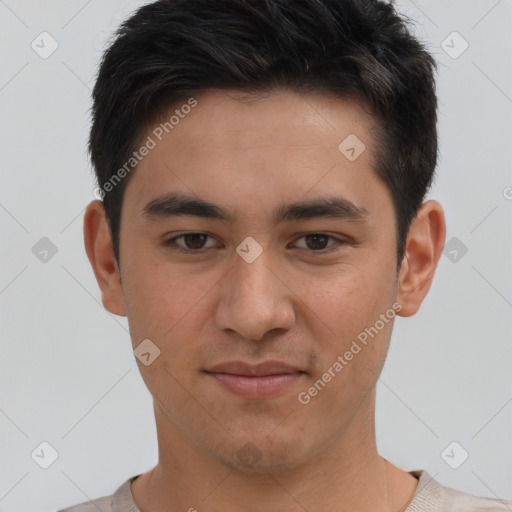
193, 242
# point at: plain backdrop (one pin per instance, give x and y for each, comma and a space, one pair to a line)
68, 375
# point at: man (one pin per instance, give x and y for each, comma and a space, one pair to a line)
263, 166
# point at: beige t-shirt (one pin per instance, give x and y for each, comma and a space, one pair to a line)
430, 496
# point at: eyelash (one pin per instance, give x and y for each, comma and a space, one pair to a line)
172, 243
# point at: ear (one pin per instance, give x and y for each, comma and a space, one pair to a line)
100, 251
424, 247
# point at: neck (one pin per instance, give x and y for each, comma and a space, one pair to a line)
347, 474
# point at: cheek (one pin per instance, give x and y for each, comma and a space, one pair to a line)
350, 366
346, 308
152, 297
148, 283
347, 299
163, 301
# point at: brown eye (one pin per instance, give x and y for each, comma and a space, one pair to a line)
192, 242
195, 240
318, 242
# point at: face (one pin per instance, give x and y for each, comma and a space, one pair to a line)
272, 306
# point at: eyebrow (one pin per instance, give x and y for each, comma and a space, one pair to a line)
171, 205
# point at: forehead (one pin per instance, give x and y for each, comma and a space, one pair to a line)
243, 120
272, 147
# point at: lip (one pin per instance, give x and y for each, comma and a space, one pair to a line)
254, 370
259, 381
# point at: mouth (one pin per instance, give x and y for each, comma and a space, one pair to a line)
264, 380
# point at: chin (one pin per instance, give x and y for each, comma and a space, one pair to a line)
259, 455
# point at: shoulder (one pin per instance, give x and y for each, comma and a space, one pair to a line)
431, 496
102, 504
120, 501
458, 501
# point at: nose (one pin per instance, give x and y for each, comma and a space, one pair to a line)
255, 299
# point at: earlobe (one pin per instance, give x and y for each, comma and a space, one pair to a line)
424, 247
99, 249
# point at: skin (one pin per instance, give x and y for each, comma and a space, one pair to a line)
296, 303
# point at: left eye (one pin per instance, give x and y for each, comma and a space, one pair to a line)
319, 241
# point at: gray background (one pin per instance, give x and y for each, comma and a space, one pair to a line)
68, 376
